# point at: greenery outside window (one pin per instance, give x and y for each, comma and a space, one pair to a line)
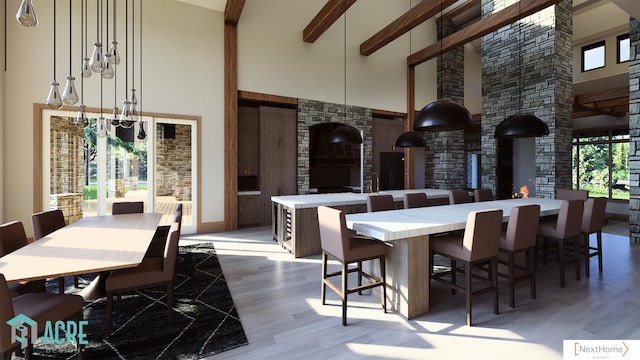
593, 56
624, 48
601, 163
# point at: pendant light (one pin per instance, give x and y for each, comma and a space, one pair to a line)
114, 57
108, 71
142, 135
26, 14
69, 94
523, 124
81, 116
86, 68
442, 115
133, 101
345, 134
53, 99
125, 119
96, 57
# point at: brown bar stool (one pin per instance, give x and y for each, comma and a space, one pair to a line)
414, 200
459, 197
592, 222
380, 203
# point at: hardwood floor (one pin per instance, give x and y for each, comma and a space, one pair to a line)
278, 300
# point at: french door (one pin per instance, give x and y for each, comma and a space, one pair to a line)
84, 174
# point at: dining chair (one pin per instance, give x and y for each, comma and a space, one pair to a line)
151, 272
482, 195
565, 230
44, 223
127, 207
40, 307
414, 200
517, 240
13, 237
380, 203
570, 194
348, 249
478, 245
459, 196
156, 248
592, 222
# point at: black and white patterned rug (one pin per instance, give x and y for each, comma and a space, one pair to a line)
205, 321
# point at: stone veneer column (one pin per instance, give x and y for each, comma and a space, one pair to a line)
444, 153
634, 130
311, 112
546, 89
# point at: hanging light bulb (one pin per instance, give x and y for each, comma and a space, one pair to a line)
102, 128
26, 15
96, 58
81, 116
86, 68
115, 54
69, 94
53, 100
133, 103
115, 121
125, 119
107, 67
141, 133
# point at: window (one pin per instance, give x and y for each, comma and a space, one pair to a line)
601, 163
624, 48
593, 56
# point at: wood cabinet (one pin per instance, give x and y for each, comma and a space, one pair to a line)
249, 210
248, 141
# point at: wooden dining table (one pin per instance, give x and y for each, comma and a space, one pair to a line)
407, 231
95, 244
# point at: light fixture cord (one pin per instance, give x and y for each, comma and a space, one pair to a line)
54, 40
520, 78
83, 49
345, 61
133, 44
70, 48
126, 48
114, 19
107, 27
140, 92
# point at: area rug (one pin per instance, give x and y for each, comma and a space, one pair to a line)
205, 321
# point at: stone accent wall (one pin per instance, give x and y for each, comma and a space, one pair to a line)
173, 163
67, 167
545, 89
634, 130
445, 150
311, 112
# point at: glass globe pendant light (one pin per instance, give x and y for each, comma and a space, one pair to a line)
53, 99
69, 94
142, 135
113, 51
26, 15
102, 129
81, 116
133, 103
96, 58
107, 68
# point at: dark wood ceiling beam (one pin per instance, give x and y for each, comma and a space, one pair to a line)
233, 10
480, 28
610, 94
329, 13
412, 18
469, 4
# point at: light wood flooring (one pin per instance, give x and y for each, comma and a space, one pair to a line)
278, 301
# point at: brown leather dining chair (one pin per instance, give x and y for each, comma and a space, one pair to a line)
152, 272
127, 207
459, 196
570, 194
517, 240
41, 307
380, 203
478, 245
13, 237
415, 200
348, 249
565, 230
44, 223
156, 248
482, 195
592, 222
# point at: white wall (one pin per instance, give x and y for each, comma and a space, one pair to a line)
472, 78
611, 68
183, 74
2, 118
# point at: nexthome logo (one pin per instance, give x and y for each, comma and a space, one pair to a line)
25, 330
601, 349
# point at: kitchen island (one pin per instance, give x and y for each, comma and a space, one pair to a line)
295, 217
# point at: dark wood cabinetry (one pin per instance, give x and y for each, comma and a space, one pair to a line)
248, 141
249, 210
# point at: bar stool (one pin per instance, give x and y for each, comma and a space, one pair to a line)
414, 200
380, 203
592, 222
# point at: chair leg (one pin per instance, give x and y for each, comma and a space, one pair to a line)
323, 290
345, 274
467, 277
75, 281
453, 274
599, 237
531, 254
107, 320
493, 268
576, 256
61, 285
359, 276
561, 261
383, 277
586, 254
512, 291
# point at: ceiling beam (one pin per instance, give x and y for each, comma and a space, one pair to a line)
469, 4
610, 94
331, 12
233, 10
480, 28
412, 18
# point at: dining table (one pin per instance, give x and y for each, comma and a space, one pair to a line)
95, 244
407, 232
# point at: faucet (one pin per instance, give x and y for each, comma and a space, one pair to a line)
377, 182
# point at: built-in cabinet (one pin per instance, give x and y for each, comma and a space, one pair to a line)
266, 160
388, 161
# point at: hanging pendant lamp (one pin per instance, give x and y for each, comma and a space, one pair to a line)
410, 139
442, 115
345, 134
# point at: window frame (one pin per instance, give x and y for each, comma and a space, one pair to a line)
620, 38
592, 46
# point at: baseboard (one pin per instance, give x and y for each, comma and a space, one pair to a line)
211, 227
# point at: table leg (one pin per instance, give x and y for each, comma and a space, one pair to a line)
96, 289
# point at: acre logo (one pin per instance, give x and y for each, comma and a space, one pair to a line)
59, 332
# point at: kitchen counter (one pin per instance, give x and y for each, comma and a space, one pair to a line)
295, 217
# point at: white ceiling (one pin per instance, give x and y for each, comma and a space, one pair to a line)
217, 5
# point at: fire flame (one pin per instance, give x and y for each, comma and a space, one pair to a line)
524, 190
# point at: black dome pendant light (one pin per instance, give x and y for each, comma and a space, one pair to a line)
521, 125
410, 139
442, 115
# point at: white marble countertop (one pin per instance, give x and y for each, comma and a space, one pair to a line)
249, 192
406, 223
342, 199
